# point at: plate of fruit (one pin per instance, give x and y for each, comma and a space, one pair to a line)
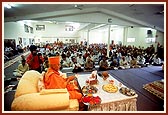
91, 100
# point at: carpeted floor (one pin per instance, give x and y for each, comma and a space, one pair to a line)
133, 78
136, 78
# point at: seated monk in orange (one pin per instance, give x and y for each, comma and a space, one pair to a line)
54, 80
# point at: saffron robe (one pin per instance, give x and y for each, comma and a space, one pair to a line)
53, 80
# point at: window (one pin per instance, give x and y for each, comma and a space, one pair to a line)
40, 27
26, 28
31, 29
150, 40
69, 28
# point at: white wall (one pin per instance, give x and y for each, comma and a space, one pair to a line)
101, 36
140, 35
53, 32
83, 36
117, 35
160, 37
15, 30
121, 35
96, 37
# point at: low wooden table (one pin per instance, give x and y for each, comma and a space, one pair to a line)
110, 101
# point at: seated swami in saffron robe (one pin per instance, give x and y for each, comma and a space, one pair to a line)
54, 80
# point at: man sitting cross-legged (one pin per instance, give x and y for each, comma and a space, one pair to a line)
54, 80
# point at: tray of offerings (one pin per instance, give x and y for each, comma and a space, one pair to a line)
89, 89
127, 91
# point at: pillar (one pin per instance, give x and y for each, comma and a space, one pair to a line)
88, 38
108, 43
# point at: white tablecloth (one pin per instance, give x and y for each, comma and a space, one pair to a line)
110, 101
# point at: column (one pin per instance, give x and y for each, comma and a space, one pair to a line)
108, 43
125, 35
88, 38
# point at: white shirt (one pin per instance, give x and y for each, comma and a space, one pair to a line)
157, 60
80, 60
141, 60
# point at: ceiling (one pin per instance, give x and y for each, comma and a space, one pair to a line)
92, 15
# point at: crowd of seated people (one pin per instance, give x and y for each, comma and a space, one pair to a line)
82, 58
120, 57
11, 51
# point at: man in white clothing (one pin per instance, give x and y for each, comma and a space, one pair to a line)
123, 63
80, 60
